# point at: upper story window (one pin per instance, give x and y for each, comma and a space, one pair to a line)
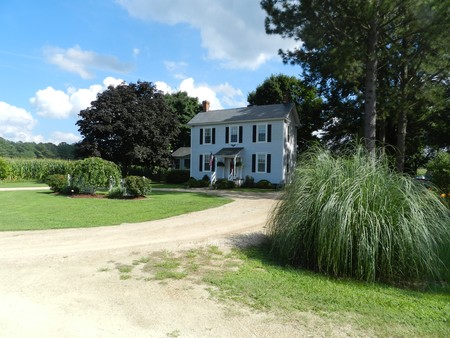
262, 132
233, 134
207, 135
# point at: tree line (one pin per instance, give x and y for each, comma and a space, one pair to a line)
12, 149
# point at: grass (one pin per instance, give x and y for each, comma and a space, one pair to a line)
263, 284
251, 277
37, 210
21, 184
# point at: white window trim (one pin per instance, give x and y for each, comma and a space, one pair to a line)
257, 163
265, 134
237, 134
210, 135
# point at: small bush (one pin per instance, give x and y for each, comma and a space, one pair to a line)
439, 171
177, 176
4, 169
249, 182
116, 193
205, 178
137, 186
264, 184
193, 183
223, 183
351, 215
57, 183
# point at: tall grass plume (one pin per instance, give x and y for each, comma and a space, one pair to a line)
351, 215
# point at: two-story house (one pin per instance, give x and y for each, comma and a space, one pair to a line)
256, 141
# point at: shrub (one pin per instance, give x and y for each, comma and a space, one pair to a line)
249, 182
57, 183
223, 183
439, 171
94, 172
137, 186
177, 176
351, 215
116, 193
264, 184
193, 183
4, 169
205, 178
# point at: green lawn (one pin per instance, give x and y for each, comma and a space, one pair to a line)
21, 184
36, 210
379, 310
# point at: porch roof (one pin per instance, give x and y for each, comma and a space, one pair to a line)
229, 152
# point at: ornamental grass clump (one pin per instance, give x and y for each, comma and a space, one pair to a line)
350, 215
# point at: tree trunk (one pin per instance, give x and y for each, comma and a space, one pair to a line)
402, 115
370, 98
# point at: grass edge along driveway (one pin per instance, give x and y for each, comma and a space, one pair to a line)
39, 210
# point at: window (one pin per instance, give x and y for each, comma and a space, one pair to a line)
234, 130
262, 128
261, 163
206, 160
177, 163
207, 135
187, 163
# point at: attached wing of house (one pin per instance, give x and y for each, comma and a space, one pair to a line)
255, 141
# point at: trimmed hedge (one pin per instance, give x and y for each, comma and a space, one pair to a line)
177, 176
137, 186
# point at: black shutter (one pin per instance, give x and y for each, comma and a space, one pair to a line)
214, 136
240, 134
269, 158
253, 163
227, 134
254, 134
200, 166
201, 135
269, 133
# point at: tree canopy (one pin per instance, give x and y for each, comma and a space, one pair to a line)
380, 65
278, 89
36, 150
130, 124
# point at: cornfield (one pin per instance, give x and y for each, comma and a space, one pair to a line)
37, 169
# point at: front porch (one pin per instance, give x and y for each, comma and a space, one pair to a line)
228, 165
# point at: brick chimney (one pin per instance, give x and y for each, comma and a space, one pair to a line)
206, 105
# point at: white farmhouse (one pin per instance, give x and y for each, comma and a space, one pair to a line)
256, 141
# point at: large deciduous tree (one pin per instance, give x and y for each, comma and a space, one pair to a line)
185, 108
279, 89
130, 124
371, 60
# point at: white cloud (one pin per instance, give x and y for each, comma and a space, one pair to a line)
83, 62
16, 124
57, 137
232, 31
220, 96
57, 104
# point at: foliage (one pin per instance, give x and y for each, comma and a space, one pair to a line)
36, 150
223, 183
281, 88
4, 169
185, 108
350, 215
57, 182
389, 54
439, 171
116, 193
37, 169
193, 183
92, 173
177, 176
249, 182
137, 186
264, 184
130, 124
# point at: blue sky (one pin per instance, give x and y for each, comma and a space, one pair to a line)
57, 55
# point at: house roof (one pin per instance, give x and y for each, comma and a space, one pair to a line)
245, 114
182, 152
